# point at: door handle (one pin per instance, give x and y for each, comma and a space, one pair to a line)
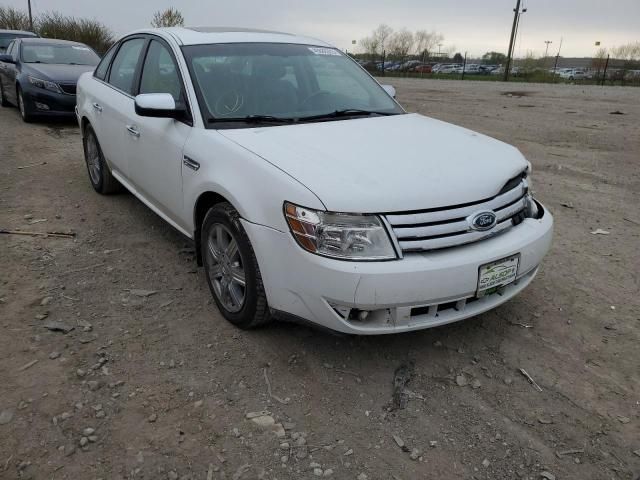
97, 107
133, 130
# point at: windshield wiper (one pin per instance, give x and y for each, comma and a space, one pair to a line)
348, 112
253, 119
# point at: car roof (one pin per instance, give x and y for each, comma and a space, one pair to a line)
49, 41
18, 32
208, 35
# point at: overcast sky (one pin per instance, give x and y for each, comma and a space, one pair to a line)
475, 26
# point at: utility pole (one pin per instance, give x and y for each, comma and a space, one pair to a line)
513, 34
604, 74
464, 65
30, 16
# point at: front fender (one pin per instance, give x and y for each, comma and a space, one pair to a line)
255, 187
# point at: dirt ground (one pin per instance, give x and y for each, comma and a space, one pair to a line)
163, 384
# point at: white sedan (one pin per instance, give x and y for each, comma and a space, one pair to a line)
305, 186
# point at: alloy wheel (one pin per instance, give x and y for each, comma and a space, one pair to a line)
93, 159
226, 268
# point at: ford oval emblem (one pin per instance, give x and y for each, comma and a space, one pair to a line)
482, 221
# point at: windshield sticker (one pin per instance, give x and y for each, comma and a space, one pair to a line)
324, 51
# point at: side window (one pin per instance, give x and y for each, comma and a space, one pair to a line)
160, 73
103, 66
123, 69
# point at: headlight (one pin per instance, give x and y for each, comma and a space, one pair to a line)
339, 235
531, 208
45, 84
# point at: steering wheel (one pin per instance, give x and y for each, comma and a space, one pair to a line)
313, 96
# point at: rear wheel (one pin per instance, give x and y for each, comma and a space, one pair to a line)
232, 269
24, 112
99, 174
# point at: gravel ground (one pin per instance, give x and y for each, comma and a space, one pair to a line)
153, 383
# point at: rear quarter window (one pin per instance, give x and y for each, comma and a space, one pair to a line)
103, 66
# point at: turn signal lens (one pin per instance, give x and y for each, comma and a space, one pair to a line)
339, 235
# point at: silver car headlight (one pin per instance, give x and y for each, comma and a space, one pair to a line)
339, 235
45, 84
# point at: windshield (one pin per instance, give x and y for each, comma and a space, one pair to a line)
59, 54
281, 81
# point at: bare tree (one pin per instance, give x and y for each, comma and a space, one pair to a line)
382, 35
426, 42
629, 52
370, 46
401, 43
599, 60
171, 17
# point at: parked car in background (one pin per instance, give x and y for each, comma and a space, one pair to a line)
574, 74
7, 36
40, 75
423, 69
196, 122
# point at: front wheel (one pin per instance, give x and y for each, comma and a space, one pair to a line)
24, 112
232, 269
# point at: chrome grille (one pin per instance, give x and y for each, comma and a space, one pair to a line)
448, 227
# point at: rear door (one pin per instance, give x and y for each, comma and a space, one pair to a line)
9, 73
113, 104
3, 70
156, 144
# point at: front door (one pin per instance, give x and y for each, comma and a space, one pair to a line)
156, 144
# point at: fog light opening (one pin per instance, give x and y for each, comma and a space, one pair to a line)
357, 315
343, 312
41, 106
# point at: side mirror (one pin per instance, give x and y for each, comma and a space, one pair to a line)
159, 105
390, 90
4, 58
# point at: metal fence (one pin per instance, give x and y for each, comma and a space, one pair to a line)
587, 71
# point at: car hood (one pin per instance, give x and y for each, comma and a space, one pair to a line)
386, 164
57, 73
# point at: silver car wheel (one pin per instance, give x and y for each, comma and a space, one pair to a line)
226, 269
93, 159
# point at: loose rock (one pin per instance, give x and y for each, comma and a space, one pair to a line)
547, 475
5, 417
461, 380
54, 355
58, 327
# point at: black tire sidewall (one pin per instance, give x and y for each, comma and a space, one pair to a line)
27, 116
231, 220
89, 132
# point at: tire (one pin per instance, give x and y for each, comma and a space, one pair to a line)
245, 306
99, 173
3, 100
27, 117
